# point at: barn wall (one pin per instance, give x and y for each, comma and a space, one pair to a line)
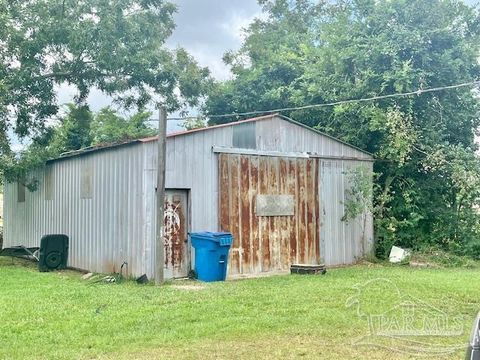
276, 134
104, 230
341, 241
190, 165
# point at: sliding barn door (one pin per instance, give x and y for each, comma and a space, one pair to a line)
271, 206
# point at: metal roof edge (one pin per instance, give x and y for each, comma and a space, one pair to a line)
193, 131
92, 149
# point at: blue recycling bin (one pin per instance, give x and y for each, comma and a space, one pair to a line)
211, 254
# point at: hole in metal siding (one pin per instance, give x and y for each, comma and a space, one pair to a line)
244, 136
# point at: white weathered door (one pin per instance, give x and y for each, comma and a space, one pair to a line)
177, 248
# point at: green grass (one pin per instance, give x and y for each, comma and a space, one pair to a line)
59, 316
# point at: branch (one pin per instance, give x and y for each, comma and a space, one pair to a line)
66, 74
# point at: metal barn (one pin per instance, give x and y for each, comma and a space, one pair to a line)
277, 185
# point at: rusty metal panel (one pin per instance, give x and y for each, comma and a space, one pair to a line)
268, 243
177, 249
275, 205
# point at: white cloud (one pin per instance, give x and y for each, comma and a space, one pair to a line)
209, 28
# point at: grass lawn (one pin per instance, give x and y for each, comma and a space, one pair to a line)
59, 316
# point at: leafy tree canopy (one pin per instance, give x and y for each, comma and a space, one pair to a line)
116, 46
303, 52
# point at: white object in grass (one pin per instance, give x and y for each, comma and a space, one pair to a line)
398, 254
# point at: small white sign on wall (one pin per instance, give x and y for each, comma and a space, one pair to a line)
275, 205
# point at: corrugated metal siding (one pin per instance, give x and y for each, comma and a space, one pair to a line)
105, 230
190, 165
276, 134
269, 243
340, 241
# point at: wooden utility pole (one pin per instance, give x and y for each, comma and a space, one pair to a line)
159, 243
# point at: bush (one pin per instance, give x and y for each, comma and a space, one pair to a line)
472, 249
442, 258
383, 246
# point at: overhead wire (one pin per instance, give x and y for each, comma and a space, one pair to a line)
334, 103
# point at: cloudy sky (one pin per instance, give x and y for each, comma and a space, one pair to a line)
206, 28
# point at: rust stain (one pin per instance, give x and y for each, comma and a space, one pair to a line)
293, 220
233, 192
254, 220
224, 199
265, 223
245, 212
302, 234
174, 232
310, 208
179, 235
273, 220
166, 238
284, 221
266, 243
317, 211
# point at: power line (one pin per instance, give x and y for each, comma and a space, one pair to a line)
340, 102
184, 118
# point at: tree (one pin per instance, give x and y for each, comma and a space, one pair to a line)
74, 131
305, 52
116, 46
194, 123
108, 127
78, 128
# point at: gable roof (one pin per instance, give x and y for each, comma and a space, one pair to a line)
193, 131
187, 132
259, 118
